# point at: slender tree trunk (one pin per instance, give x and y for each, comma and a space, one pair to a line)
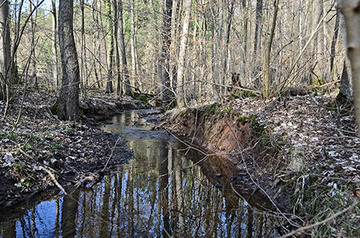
5, 50
181, 65
54, 46
132, 43
166, 93
258, 23
116, 25
226, 50
334, 40
350, 9
318, 13
32, 47
68, 107
110, 28
266, 74
125, 70
83, 69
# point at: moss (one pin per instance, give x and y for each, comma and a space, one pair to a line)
244, 119
17, 167
214, 108
230, 111
142, 98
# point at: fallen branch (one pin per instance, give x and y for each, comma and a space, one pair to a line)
47, 170
301, 229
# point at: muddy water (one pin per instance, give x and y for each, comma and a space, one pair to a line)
166, 190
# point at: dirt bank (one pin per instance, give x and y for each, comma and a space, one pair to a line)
39, 152
301, 151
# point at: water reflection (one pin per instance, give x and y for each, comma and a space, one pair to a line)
165, 191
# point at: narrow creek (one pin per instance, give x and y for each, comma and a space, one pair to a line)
166, 190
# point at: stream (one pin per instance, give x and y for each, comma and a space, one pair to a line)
168, 189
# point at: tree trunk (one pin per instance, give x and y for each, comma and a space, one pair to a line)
181, 65
5, 50
32, 46
166, 93
266, 74
110, 28
350, 9
133, 42
128, 90
68, 107
226, 50
54, 46
258, 23
117, 59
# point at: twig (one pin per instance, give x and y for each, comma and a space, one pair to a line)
301, 229
52, 176
47, 170
112, 153
252, 179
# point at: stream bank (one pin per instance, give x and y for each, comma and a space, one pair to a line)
302, 151
40, 150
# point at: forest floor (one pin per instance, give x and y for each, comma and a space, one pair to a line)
40, 152
302, 151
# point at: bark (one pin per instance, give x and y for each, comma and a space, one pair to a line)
68, 107
5, 50
266, 74
164, 66
110, 28
318, 14
181, 65
117, 59
83, 68
334, 40
351, 11
54, 45
258, 23
125, 70
133, 41
228, 32
32, 46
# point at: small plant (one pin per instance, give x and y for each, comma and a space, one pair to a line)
17, 167
230, 111
12, 135
250, 118
54, 145
142, 98
213, 108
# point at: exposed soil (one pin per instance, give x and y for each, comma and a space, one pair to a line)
302, 151
40, 150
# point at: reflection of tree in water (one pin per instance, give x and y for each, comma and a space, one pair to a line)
162, 192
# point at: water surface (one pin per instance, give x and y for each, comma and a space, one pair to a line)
166, 190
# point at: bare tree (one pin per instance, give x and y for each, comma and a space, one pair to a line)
54, 46
128, 90
164, 67
266, 73
68, 107
110, 29
351, 11
32, 44
181, 64
5, 50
